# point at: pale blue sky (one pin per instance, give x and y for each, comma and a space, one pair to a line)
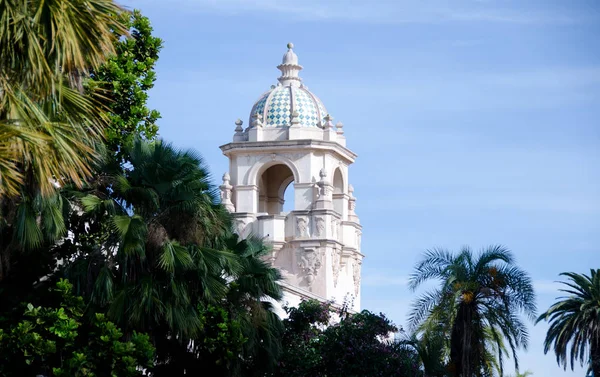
475, 122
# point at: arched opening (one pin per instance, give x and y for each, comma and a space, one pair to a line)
338, 192
276, 190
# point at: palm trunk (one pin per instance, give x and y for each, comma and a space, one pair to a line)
461, 354
595, 356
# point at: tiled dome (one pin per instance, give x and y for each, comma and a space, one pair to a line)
277, 105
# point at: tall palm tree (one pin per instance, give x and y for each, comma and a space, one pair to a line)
575, 322
50, 128
480, 300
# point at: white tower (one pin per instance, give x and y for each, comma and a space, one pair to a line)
291, 142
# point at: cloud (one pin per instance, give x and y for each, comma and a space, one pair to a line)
391, 12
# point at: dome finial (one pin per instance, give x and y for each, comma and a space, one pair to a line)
289, 68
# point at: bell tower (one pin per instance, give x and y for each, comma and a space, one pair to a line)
291, 143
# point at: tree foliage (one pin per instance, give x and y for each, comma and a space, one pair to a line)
153, 248
49, 128
575, 322
125, 79
358, 345
51, 131
58, 340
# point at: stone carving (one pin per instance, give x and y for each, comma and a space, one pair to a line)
275, 253
301, 227
257, 120
324, 187
334, 228
310, 263
320, 227
240, 227
328, 122
356, 275
336, 264
357, 239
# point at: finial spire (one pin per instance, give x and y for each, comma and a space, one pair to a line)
290, 68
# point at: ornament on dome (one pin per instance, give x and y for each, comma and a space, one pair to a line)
295, 118
238, 126
257, 120
340, 128
328, 122
289, 68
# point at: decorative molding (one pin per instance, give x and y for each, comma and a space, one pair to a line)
320, 226
357, 234
335, 224
310, 263
293, 156
356, 275
301, 227
336, 264
225, 189
240, 227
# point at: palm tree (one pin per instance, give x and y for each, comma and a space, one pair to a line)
252, 294
480, 300
248, 305
575, 322
50, 129
168, 249
149, 241
431, 350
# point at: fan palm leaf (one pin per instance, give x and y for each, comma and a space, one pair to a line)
51, 130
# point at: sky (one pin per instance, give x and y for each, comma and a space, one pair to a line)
476, 122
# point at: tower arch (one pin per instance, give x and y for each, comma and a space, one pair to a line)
339, 192
265, 163
272, 184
